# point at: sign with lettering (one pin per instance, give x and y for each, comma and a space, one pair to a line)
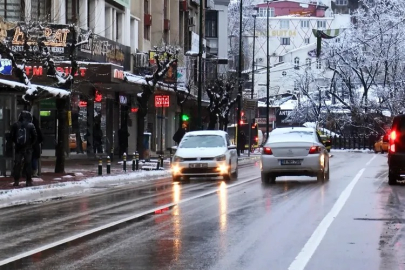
162, 101
283, 118
6, 67
123, 100
58, 37
118, 74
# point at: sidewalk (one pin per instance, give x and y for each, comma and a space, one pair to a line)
82, 169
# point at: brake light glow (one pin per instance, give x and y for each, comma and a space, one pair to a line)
393, 135
256, 139
267, 151
392, 148
314, 150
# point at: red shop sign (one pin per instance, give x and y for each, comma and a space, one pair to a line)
162, 101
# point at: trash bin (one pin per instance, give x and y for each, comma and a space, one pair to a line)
146, 145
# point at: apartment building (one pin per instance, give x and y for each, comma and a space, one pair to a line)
292, 43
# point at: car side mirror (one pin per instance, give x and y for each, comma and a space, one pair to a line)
232, 147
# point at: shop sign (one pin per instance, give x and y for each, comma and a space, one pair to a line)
162, 101
6, 67
82, 103
123, 100
118, 74
57, 38
38, 70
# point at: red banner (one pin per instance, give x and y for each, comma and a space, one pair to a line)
162, 101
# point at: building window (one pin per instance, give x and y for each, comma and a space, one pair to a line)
308, 62
165, 10
119, 16
211, 24
134, 37
296, 86
280, 59
318, 63
285, 41
284, 24
341, 2
72, 11
146, 28
11, 10
263, 12
321, 24
296, 63
305, 24
284, 73
40, 9
306, 40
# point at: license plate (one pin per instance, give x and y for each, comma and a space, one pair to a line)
290, 162
198, 165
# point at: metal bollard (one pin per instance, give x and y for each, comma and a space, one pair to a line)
136, 160
108, 165
112, 154
100, 166
124, 163
133, 162
161, 161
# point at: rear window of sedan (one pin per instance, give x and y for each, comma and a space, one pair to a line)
291, 135
202, 141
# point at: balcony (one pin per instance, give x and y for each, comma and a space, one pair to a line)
147, 19
166, 24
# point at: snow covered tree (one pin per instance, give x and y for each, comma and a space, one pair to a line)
220, 92
165, 58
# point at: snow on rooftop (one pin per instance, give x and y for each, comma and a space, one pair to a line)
32, 88
206, 132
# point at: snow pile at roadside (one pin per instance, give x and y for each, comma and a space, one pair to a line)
45, 192
353, 150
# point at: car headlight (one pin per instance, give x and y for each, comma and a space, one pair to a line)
220, 158
177, 159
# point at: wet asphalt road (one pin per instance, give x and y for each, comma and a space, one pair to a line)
240, 225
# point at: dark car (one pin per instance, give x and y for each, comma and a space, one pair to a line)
396, 150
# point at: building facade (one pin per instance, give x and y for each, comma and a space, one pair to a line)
292, 43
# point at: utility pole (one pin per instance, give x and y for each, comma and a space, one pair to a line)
268, 76
253, 62
200, 66
239, 80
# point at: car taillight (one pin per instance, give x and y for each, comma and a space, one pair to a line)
314, 150
256, 139
392, 148
393, 135
267, 151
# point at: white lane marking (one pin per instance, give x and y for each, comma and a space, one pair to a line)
368, 163
312, 244
112, 224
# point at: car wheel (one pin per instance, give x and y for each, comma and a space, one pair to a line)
176, 178
327, 175
392, 179
265, 177
235, 173
321, 176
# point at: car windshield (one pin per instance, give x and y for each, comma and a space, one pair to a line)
291, 135
202, 141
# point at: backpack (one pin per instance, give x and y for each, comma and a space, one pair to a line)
22, 135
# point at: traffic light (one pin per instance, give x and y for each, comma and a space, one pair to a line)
185, 117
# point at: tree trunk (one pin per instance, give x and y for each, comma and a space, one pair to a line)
213, 121
60, 145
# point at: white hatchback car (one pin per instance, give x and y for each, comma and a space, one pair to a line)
207, 153
294, 151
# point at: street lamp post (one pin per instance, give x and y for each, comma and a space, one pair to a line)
253, 62
268, 75
239, 79
200, 53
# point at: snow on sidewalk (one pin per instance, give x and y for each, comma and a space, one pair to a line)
25, 195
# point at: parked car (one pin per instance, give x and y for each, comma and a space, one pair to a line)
72, 143
396, 150
382, 144
205, 154
294, 151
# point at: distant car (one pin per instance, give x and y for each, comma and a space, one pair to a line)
326, 141
396, 150
382, 144
205, 154
294, 151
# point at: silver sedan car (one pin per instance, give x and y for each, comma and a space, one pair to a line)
294, 151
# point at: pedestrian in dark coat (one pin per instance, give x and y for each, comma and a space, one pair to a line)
242, 142
180, 134
123, 135
24, 136
36, 148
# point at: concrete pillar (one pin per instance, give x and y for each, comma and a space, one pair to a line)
109, 125
58, 11
83, 11
27, 11
90, 124
97, 16
109, 20
126, 21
